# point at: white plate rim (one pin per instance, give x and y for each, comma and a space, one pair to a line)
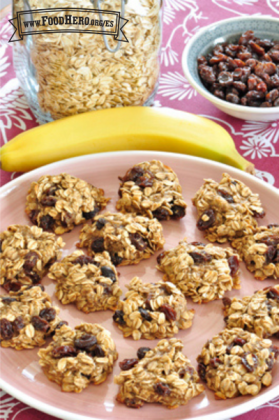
67, 415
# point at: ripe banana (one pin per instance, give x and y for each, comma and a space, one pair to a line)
130, 128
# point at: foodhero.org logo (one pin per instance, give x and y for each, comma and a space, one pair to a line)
39, 21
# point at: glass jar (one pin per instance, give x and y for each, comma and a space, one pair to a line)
64, 74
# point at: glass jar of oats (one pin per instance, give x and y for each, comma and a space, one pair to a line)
65, 74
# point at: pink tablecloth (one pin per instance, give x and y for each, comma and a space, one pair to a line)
258, 142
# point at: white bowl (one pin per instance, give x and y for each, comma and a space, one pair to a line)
216, 33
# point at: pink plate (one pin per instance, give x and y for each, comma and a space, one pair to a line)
21, 374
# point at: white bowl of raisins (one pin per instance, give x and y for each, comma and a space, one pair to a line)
234, 63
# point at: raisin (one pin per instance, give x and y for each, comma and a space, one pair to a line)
219, 93
218, 49
8, 299
118, 317
162, 389
270, 254
60, 324
160, 257
100, 223
46, 222
161, 214
195, 243
273, 294
261, 87
226, 301
48, 314
98, 245
202, 59
109, 273
132, 174
116, 259
142, 352
138, 241
31, 259
240, 86
270, 240
64, 351
271, 225
12, 286
202, 371
206, 220
239, 341
246, 37
257, 48
224, 194
34, 277
254, 94
215, 362
200, 257
97, 351
272, 95
39, 324
67, 219
275, 350
145, 314
274, 81
18, 324
225, 78
217, 58
90, 214
33, 216
207, 74
266, 105
274, 55
6, 329
127, 364
133, 403
177, 212
251, 62
85, 342
270, 363
265, 43
169, 312
83, 260
233, 263
223, 66
259, 215
245, 363
49, 201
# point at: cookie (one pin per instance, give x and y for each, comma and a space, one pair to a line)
202, 272
227, 210
61, 202
92, 284
151, 189
152, 310
126, 237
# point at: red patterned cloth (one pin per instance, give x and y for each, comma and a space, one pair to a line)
258, 142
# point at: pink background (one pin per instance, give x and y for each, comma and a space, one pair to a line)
258, 142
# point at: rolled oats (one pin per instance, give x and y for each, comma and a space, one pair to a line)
260, 251
26, 253
203, 272
126, 237
237, 362
258, 313
76, 358
227, 210
76, 73
161, 375
92, 284
61, 202
27, 317
152, 311
153, 190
